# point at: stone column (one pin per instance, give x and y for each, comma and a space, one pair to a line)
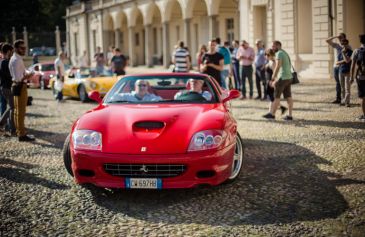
117, 38
148, 45
25, 38
131, 45
187, 32
58, 39
166, 44
13, 34
212, 26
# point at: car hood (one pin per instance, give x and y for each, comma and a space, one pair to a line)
128, 129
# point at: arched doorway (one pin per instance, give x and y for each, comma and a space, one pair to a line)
139, 39
199, 27
156, 42
175, 25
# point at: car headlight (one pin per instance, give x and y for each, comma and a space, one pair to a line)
207, 139
51, 75
87, 140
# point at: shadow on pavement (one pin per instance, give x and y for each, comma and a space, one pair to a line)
280, 183
56, 139
18, 172
37, 115
305, 122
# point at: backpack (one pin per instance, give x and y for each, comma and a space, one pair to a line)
360, 61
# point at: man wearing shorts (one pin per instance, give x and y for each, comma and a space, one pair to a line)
281, 81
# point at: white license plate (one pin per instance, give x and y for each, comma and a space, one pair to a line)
139, 183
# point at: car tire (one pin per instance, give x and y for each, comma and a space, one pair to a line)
82, 93
238, 158
54, 91
67, 156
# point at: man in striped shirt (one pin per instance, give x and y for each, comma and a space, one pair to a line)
181, 58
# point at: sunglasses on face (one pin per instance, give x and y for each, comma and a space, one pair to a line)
141, 85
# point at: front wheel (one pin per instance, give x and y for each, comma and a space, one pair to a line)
67, 156
237, 161
82, 93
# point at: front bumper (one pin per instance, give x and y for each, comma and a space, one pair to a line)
220, 162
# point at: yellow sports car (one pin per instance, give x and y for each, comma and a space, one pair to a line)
80, 81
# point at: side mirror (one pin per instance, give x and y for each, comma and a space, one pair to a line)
233, 94
36, 68
95, 95
71, 75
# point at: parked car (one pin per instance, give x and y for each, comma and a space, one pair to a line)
179, 139
43, 72
80, 81
43, 51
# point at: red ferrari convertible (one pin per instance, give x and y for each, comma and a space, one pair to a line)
157, 131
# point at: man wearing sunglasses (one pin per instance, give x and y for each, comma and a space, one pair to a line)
139, 94
19, 87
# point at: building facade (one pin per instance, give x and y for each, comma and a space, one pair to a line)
148, 30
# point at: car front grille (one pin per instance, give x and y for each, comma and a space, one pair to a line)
145, 170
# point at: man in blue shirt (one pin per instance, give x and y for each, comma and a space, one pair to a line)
227, 66
260, 62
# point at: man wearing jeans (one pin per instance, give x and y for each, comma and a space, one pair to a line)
281, 81
246, 56
260, 62
336, 69
19, 76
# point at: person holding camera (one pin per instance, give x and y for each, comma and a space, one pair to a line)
344, 64
19, 89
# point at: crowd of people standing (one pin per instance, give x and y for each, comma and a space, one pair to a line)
231, 65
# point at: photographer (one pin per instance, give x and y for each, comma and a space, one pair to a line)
344, 65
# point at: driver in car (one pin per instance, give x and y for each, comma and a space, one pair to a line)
195, 93
139, 94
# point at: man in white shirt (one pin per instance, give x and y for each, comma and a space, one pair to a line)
19, 76
60, 72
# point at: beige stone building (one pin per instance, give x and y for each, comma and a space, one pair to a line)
147, 30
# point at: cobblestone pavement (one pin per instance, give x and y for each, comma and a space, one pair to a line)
300, 178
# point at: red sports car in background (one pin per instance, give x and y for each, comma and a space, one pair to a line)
43, 72
157, 131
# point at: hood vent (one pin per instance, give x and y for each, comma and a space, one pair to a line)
149, 125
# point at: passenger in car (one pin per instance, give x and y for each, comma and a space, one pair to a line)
139, 94
196, 87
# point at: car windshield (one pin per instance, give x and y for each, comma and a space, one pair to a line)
91, 72
162, 89
47, 67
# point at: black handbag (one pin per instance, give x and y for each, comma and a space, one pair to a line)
295, 79
16, 89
